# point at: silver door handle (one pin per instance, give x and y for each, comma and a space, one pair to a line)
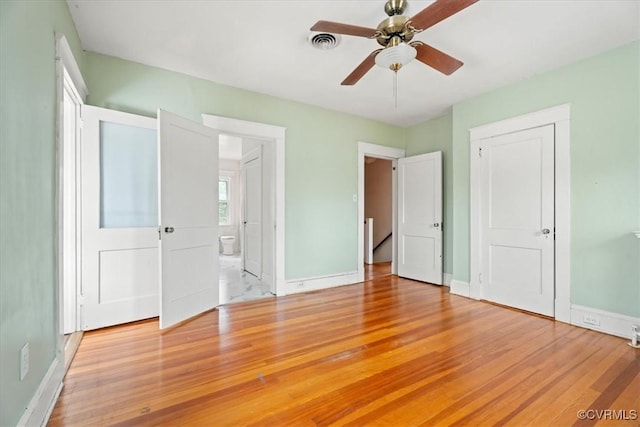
545, 231
168, 230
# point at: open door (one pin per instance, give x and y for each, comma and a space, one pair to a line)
188, 217
119, 218
420, 217
252, 213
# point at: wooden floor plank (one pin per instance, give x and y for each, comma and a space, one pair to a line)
388, 351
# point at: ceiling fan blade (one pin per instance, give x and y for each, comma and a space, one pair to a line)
436, 59
438, 11
361, 69
338, 28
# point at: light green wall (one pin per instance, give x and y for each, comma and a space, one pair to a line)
604, 94
436, 135
320, 153
27, 184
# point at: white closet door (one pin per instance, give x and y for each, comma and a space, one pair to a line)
517, 219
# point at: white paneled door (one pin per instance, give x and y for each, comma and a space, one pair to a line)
119, 212
144, 180
188, 164
252, 212
420, 217
517, 219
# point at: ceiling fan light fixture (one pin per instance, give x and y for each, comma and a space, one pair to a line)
394, 57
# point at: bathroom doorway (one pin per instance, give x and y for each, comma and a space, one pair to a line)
246, 193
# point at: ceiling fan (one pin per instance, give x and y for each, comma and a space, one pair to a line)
395, 33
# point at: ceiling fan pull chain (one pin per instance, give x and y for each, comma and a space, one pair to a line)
395, 88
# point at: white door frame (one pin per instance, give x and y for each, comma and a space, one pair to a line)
560, 117
67, 74
271, 134
387, 153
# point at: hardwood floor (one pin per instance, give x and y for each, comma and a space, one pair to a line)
377, 270
386, 352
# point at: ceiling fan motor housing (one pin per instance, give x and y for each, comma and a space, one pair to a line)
392, 27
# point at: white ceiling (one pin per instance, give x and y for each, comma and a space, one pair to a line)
262, 46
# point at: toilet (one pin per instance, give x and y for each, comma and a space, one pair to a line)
227, 244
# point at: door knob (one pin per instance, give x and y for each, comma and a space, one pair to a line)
545, 231
436, 225
168, 230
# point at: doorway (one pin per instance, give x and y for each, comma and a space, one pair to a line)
416, 212
374, 151
559, 120
516, 211
245, 200
272, 139
378, 198
71, 92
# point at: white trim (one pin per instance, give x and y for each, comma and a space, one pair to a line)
610, 323
271, 134
560, 117
475, 265
44, 400
526, 121
65, 55
380, 152
67, 74
458, 287
321, 282
447, 279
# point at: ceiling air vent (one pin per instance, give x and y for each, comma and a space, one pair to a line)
324, 41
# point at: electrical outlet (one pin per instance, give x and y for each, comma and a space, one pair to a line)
591, 320
24, 361
300, 285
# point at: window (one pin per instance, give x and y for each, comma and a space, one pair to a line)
224, 211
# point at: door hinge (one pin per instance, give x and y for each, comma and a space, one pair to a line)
479, 151
159, 233
480, 277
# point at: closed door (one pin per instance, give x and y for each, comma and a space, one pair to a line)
420, 217
252, 185
517, 219
188, 154
119, 218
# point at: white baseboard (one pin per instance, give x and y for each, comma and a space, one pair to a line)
321, 282
458, 287
43, 401
609, 323
446, 279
